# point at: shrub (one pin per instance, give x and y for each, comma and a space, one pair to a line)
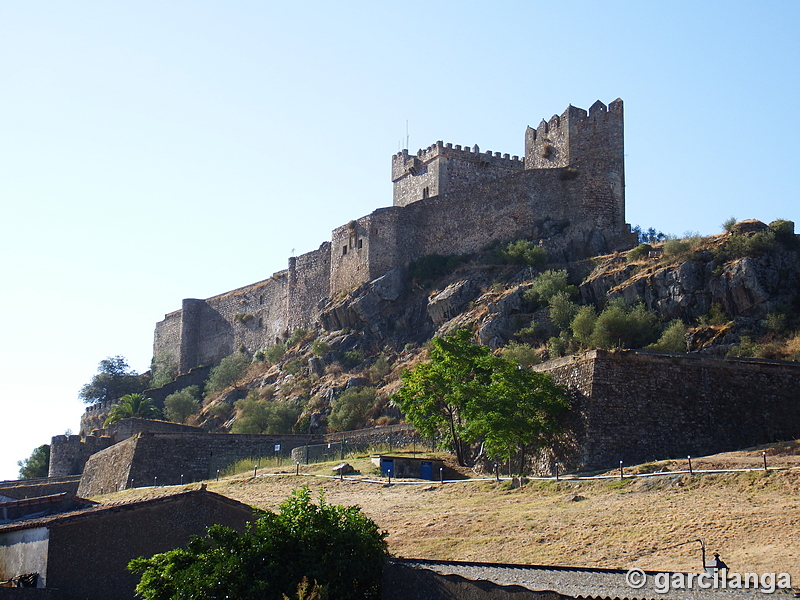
164, 369
583, 324
525, 252
628, 327
350, 410
337, 547
546, 285
741, 246
746, 348
716, 315
299, 335
353, 358
562, 310
640, 252
379, 369
673, 339
227, 372
319, 348
264, 416
274, 353
293, 366
728, 224
243, 318
784, 233
775, 323
181, 405
522, 354
556, 347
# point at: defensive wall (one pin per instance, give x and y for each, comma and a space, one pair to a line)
567, 192
637, 406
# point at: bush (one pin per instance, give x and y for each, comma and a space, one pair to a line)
582, 325
274, 353
784, 233
379, 369
319, 348
562, 310
352, 358
264, 416
350, 410
673, 339
728, 224
522, 354
181, 405
525, 252
716, 315
546, 285
619, 324
741, 246
227, 372
641, 251
337, 547
299, 335
164, 368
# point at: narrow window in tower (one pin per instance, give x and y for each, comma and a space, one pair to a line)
360, 244
426, 192
344, 250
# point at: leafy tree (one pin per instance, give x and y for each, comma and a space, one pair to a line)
164, 369
562, 310
350, 410
547, 285
619, 324
650, 236
264, 416
337, 547
227, 372
641, 251
181, 405
114, 379
583, 324
37, 464
465, 395
132, 406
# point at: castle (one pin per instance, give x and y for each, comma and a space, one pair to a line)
567, 192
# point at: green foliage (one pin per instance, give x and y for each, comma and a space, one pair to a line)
181, 405
425, 270
36, 465
229, 370
547, 285
746, 348
582, 325
264, 416
716, 315
784, 233
349, 411
164, 369
622, 325
465, 395
131, 406
556, 347
641, 251
673, 339
728, 224
335, 546
243, 318
352, 358
651, 236
525, 252
522, 354
681, 248
320, 348
379, 369
776, 323
562, 310
299, 335
274, 353
741, 246
114, 379
293, 366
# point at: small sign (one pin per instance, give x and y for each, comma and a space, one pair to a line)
277, 447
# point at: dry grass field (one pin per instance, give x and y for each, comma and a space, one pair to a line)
752, 518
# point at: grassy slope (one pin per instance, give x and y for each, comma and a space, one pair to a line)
751, 518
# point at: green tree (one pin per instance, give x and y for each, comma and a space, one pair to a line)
37, 464
562, 309
547, 285
229, 370
525, 252
181, 405
164, 369
114, 379
524, 355
350, 410
583, 325
673, 338
466, 395
620, 324
264, 416
132, 406
337, 547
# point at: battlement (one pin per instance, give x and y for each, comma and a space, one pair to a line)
404, 163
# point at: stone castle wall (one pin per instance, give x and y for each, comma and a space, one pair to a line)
448, 200
638, 406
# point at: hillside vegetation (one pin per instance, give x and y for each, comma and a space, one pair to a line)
735, 294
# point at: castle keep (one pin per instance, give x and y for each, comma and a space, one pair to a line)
567, 192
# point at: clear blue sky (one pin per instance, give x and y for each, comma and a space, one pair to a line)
154, 151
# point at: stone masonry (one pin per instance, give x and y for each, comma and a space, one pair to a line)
447, 200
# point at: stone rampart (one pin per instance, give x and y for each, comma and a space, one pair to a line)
68, 453
639, 406
448, 200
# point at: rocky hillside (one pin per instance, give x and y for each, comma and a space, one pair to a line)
735, 293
